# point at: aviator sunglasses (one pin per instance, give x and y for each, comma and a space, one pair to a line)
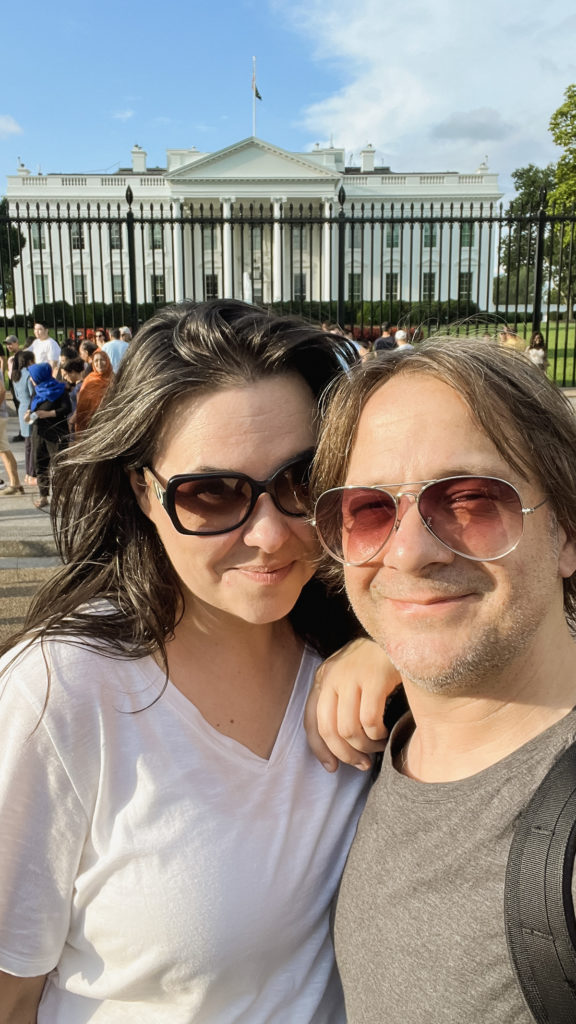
205, 504
478, 517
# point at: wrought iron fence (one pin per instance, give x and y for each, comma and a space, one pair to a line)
426, 265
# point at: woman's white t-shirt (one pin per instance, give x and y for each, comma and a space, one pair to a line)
157, 870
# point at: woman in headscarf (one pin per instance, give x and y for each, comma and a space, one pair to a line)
93, 390
48, 414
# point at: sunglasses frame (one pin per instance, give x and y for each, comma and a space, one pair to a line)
166, 495
423, 485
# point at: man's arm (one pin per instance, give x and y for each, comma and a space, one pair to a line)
19, 998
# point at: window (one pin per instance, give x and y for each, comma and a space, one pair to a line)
299, 287
467, 234
77, 235
299, 234
465, 286
156, 236
211, 240
428, 286
391, 287
355, 287
115, 236
117, 288
37, 233
211, 286
430, 236
392, 236
158, 289
80, 289
256, 238
41, 288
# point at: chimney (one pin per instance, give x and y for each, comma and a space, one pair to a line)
138, 160
367, 157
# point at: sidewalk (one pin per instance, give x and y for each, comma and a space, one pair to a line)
27, 549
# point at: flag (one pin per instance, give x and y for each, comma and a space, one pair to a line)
255, 87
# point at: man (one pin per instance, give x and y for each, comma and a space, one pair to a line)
403, 342
459, 516
45, 349
385, 342
116, 348
126, 334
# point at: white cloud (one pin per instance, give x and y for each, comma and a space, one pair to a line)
8, 126
437, 87
123, 115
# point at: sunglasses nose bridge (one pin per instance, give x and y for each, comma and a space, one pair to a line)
402, 505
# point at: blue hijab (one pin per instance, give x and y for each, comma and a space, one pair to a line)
48, 389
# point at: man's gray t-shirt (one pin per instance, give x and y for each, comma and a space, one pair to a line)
419, 930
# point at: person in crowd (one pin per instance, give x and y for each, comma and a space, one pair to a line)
125, 334
23, 389
385, 342
73, 376
402, 341
508, 337
536, 351
67, 352
14, 486
465, 575
100, 336
115, 349
12, 347
154, 758
86, 350
48, 413
45, 348
93, 389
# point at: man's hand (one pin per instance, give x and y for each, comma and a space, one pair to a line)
345, 709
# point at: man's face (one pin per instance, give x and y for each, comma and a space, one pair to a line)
40, 331
447, 622
12, 346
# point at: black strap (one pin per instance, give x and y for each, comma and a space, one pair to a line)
538, 904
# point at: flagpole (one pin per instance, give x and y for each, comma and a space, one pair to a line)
254, 96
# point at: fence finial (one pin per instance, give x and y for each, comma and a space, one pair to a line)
129, 196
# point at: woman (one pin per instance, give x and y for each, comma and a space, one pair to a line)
93, 390
536, 351
172, 845
48, 413
23, 389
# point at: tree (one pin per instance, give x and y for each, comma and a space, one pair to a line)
563, 131
517, 247
12, 242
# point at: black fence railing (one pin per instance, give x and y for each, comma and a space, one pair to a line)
447, 266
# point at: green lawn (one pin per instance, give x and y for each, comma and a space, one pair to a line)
561, 341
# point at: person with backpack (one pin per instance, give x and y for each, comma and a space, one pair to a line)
446, 498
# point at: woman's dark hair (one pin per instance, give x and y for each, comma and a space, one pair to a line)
537, 341
110, 549
68, 351
21, 360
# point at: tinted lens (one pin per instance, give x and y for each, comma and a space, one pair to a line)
212, 503
354, 523
290, 488
475, 516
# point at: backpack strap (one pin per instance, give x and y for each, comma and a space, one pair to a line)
538, 904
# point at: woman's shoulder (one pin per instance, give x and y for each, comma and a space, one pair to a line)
72, 672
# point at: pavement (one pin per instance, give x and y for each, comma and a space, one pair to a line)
27, 549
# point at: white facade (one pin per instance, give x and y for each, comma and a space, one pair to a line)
190, 243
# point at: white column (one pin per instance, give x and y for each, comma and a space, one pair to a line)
327, 259
178, 243
277, 202
227, 246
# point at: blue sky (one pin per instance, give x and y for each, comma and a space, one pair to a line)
433, 86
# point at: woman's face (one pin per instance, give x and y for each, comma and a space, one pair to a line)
255, 572
83, 351
100, 362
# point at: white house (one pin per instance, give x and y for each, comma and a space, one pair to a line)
257, 222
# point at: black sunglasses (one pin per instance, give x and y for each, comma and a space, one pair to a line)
206, 504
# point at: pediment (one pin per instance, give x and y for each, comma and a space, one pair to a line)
252, 160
